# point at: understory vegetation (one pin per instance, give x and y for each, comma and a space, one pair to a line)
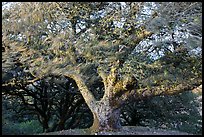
179, 112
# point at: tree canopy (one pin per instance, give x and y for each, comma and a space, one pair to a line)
114, 51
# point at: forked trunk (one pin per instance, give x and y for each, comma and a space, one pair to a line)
106, 112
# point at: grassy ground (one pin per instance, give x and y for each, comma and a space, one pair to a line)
126, 130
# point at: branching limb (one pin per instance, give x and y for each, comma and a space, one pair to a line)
162, 90
86, 93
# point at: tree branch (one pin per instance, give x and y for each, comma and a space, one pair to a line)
132, 41
86, 93
159, 90
103, 75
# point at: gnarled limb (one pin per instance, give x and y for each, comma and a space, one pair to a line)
86, 93
159, 90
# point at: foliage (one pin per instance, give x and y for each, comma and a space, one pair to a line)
179, 112
112, 51
23, 128
48, 38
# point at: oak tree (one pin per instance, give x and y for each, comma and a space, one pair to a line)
113, 51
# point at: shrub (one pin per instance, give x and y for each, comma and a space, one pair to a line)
23, 128
179, 112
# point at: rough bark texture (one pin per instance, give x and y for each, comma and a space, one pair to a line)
106, 112
107, 117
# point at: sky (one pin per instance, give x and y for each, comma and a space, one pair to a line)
6, 4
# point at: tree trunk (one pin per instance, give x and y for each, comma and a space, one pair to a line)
105, 117
106, 112
61, 125
45, 125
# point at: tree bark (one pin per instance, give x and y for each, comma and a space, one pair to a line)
106, 117
106, 112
